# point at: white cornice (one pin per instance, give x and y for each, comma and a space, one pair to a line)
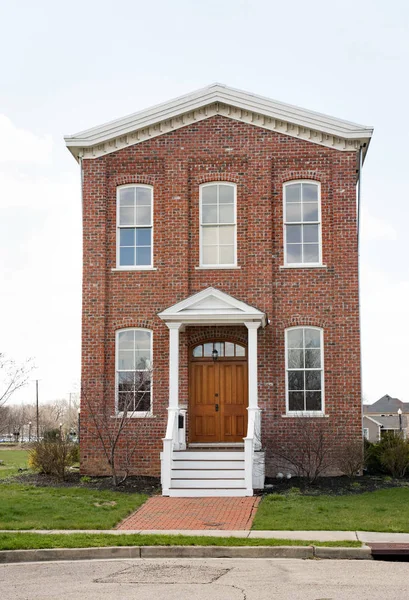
218, 99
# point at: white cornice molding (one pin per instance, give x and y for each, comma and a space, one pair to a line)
228, 102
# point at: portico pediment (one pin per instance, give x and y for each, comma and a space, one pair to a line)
212, 306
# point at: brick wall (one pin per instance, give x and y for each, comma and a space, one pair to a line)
259, 161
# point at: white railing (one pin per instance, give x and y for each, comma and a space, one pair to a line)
251, 443
175, 439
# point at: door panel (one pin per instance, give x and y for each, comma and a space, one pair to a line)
223, 384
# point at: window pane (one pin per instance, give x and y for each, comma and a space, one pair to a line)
295, 338
312, 380
127, 196
143, 401
296, 401
126, 340
310, 192
127, 257
310, 233
126, 360
143, 215
127, 237
294, 253
142, 359
142, 340
293, 192
209, 194
219, 346
226, 194
127, 215
293, 213
312, 338
198, 351
311, 253
240, 350
296, 359
143, 237
312, 359
208, 349
125, 401
143, 197
310, 211
210, 255
228, 349
143, 256
226, 235
295, 380
226, 213
227, 255
126, 381
313, 400
209, 213
294, 234
210, 236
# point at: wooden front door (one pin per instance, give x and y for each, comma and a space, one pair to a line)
218, 399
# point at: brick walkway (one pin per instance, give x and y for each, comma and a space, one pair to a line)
193, 513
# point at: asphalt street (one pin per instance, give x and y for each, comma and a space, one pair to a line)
200, 579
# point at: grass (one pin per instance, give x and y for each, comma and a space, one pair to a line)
13, 459
27, 541
29, 507
383, 510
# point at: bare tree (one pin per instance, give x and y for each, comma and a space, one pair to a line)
308, 453
13, 376
111, 423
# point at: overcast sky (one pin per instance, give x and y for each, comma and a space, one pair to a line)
67, 66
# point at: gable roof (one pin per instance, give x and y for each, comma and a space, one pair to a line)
212, 306
386, 405
219, 99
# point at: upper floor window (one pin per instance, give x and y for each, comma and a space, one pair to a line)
133, 370
304, 367
302, 223
134, 226
218, 225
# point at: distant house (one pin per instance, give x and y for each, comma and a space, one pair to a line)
385, 415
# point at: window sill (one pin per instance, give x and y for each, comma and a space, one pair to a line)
311, 415
135, 415
134, 269
297, 266
218, 267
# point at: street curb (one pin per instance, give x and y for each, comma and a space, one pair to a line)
127, 552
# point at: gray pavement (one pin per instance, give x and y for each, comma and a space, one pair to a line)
201, 579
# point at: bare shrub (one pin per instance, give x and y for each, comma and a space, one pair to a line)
53, 457
310, 455
394, 454
351, 459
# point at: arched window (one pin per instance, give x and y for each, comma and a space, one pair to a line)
223, 350
218, 225
133, 370
134, 226
305, 370
302, 223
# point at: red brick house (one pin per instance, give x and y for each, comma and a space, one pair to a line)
220, 246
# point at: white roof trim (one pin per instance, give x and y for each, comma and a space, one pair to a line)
226, 101
212, 307
373, 420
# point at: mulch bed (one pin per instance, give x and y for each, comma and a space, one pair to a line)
132, 485
333, 486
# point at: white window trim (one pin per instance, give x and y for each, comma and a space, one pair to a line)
302, 265
217, 266
305, 413
366, 433
120, 267
136, 414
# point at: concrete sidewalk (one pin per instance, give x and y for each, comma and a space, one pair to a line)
319, 536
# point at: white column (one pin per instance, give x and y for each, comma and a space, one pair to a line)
174, 364
252, 328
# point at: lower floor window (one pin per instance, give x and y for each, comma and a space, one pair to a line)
133, 370
304, 366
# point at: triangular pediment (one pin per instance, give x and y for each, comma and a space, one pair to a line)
218, 99
212, 306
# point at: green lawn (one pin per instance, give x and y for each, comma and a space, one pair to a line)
26, 541
383, 510
12, 459
29, 507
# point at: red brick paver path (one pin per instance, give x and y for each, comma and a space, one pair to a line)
193, 513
